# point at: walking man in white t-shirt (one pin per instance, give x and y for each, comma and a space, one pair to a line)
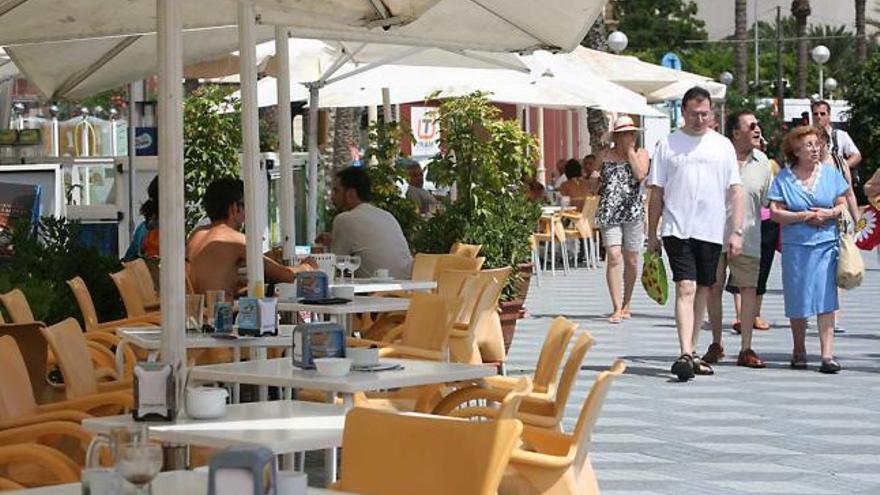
694, 170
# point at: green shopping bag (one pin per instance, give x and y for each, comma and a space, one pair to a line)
654, 277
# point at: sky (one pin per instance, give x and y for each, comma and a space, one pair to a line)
718, 14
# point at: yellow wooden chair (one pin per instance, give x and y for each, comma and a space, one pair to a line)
556, 463
385, 453
44, 466
147, 287
544, 410
127, 284
424, 267
584, 232
465, 250
18, 406
490, 338
35, 351
17, 307
81, 377
483, 291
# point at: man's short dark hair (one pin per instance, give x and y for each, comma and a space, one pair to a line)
220, 195
820, 103
732, 123
573, 169
695, 93
356, 178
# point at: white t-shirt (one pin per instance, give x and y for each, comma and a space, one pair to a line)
695, 173
845, 145
373, 234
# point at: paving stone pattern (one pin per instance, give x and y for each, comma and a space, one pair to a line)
742, 431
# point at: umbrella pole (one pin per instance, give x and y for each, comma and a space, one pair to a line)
311, 228
539, 123
583, 136
285, 144
250, 138
171, 242
569, 135
386, 104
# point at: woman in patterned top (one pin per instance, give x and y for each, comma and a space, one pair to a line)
621, 212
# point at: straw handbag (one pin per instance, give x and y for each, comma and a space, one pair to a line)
850, 266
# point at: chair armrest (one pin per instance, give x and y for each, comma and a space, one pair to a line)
459, 334
44, 417
460, 326
123, 400
358, 342
34, 432
467, 394
393, 334
546, 441
395, 350
134, 321
116, 386
47, 458
519, 456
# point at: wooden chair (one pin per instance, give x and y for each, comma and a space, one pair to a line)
129, 290
145, 283
556, 463
465, 250
81, 378
490, 339
540, 409
552, 228
35, 351
17, 308
424, 266
90, 316
583, 231
392, 454
44, 466
424, 333
18, 406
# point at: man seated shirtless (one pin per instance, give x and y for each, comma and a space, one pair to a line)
216, 251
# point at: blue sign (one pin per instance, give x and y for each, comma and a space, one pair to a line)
671, 60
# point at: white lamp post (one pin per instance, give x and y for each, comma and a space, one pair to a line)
831, 86
820, 55
726, 78
617, 41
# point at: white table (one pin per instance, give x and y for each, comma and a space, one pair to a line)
150, 338
281, 426
282, 373
372, 285
168, 483
342, 312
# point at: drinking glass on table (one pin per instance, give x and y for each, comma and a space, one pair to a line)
342, 265
195, 311
213, 297
354, 262
139, 463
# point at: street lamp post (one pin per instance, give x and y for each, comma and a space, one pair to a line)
617, 41
820, 55
831, 86
726, 78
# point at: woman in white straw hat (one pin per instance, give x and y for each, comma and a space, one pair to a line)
621, 212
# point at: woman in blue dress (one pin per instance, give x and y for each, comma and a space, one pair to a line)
807, 198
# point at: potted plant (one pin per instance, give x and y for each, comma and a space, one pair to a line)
484, 158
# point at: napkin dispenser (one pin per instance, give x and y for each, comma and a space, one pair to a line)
257, 317
155, 397
317, 340
245, 470
312, 285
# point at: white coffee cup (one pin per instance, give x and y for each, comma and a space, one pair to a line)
381, 273
291, 483
343, 291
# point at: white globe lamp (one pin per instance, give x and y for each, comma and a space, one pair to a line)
617, 41
820, 55
726, 78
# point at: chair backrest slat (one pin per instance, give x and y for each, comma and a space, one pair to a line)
17, 307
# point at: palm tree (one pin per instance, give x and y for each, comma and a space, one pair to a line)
800, 10
861, 46
742, 51
597, 126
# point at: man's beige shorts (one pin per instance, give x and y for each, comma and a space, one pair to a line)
743, 270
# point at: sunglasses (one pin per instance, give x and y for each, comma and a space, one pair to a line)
819, 114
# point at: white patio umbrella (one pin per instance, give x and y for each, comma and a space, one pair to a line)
492, 25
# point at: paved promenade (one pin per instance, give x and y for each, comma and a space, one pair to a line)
742, 431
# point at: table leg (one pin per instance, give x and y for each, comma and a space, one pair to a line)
552, 247
330, 455
236, 388
263, 390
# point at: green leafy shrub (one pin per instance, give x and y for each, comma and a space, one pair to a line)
45, 258
863, 94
